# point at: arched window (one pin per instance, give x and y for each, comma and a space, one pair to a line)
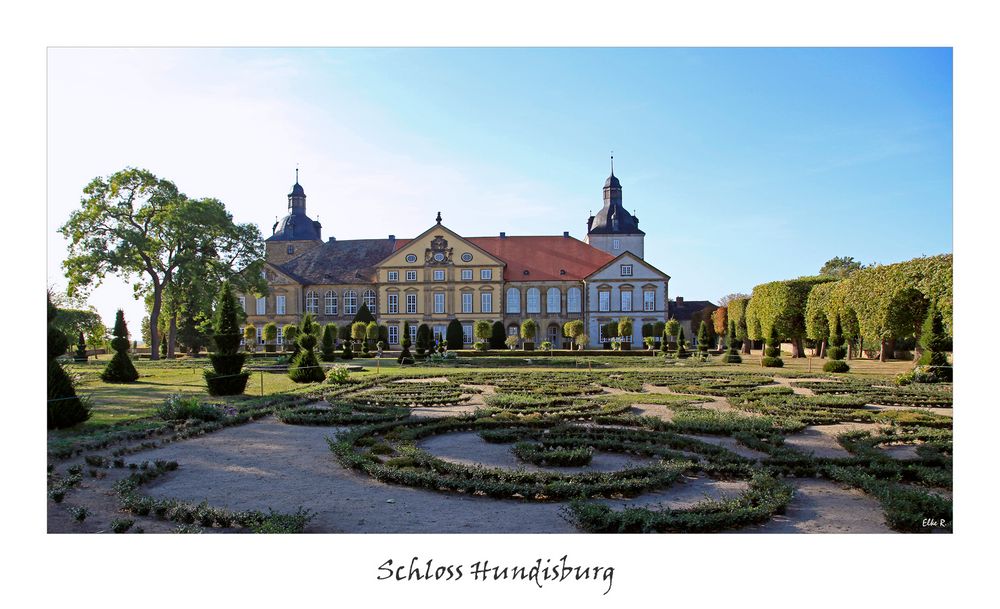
350, 302
552, 300
369, 298
513, 300
534, 300
573, 300
312, 302
330, 306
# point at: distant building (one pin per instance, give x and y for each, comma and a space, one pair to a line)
440, 275
690, 314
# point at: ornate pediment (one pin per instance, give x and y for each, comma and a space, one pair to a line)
438, 252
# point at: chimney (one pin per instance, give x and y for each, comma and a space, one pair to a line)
566, 234
331, 239
392, 237
679, 300
503, 235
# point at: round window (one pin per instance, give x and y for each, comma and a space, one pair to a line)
466, 257
411, 257
439, 256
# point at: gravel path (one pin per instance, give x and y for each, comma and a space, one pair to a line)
821, 506
821, 440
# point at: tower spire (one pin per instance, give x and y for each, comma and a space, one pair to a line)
297, 172
612, 162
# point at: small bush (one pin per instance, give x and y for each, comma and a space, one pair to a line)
772, 362
120, 525
836, 365
178, 408
276, 522
338, 375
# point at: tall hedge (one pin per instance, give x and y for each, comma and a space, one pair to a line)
498, 336
329, 353
65, 408
305, 367
227, 376
425, 339
781, 306
120, 369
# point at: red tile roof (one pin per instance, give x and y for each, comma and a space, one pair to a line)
544, 257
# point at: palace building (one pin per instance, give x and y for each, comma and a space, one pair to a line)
440, 275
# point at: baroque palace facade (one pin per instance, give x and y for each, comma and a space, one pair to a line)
440, 275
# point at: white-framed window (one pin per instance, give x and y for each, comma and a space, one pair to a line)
553, 300
616, 244
279, 304
534, 298
243, 303
411, 304
393, 276
439, 302
411, 275
626, 300
466, 334
281, 336
626, 270
393, 302
513, 300
486, 274
369, 298
330, 302
393, 335
513, 330
466, 274
604, 300
350, 302
439, 333
648, 300
486, 302
466, 302
312, 302
438, 275
573, 302
413, 332
260, 335
261, 306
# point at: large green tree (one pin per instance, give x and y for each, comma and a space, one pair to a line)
840, 267
142, 228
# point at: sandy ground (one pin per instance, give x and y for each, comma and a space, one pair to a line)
821, 506
945, 412
653, 410
434, 379
821, 440
468, 448
903, 451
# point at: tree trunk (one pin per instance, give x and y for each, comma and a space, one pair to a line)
822, 348
798, 350
746, 346
154, 318
890, 348
172, 336
882, 348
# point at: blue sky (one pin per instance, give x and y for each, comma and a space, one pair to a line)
743, 165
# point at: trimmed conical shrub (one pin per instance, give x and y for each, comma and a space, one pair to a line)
772, 353
405, 357
120, 369
425, 340
329, 343
65, 408
681, 347
732, 354
938, 367
305, 367
81, 350
227, 376
703, 339
836, 352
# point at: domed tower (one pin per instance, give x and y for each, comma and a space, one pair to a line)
296, 233
613, 229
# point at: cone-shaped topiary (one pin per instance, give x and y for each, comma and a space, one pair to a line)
65, 408
405, 357
81, 350
732, 355
498, 336
120, 369
681, 347
329, 343
305, 367
227, 376
425, 339
836, 352
703, 339
938, 368
772, 354
455, 335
